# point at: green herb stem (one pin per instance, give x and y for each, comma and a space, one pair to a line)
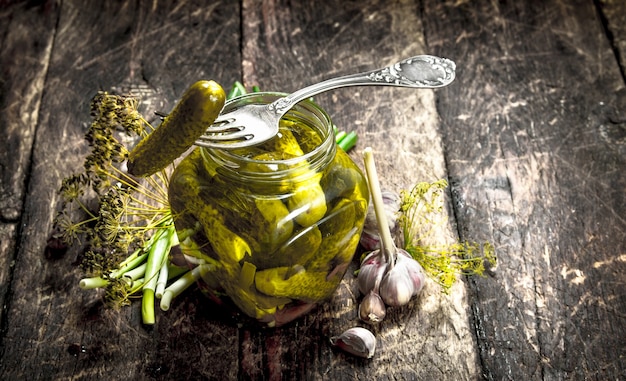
137, 272
175, 271
181, 284
132, 261
386, 240
339, 136
156, 256
94, 282
237, 90
162, 280
348, 141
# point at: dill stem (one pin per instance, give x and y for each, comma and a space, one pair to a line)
84, 208
160, 184
144, 121
120, 176
84, 222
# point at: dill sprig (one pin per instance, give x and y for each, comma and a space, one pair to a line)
113, 213
421, 215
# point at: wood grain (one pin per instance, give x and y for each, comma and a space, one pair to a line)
290, 44
53, 330
24, 53
613, 18
27, 37
531, 136
534, 172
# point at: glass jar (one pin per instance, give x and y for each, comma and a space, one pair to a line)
275, 225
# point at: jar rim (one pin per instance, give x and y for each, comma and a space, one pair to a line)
307, 109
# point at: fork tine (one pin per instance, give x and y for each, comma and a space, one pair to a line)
223, 145
225, 137
213, 129
223, 121
223, 125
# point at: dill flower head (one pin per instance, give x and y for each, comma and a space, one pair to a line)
104, 206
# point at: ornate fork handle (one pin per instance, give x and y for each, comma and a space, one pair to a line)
422, 71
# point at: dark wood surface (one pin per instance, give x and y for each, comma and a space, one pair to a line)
531, 136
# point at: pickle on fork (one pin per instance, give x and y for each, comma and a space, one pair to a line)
194, 113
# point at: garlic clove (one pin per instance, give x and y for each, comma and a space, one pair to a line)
372, 256
371, 272
372, 308
370, 239
414, 269
397, 287
357, 341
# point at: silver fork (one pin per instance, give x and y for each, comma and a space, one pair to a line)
254, 124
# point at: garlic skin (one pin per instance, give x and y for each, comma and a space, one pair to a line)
371, 272
414, 269
357, 341
370, 237
402, 282
396, 287
372, 309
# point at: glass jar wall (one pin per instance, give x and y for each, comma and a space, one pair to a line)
275, 225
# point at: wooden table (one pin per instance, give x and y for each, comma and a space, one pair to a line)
531, 136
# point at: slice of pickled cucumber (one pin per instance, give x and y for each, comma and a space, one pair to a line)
197, 110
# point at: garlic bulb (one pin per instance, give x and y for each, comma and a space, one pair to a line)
372, 308
357, 341
403, 276
370, 237
371, 272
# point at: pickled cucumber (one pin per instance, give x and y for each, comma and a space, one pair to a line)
302, 285
275, 226
185, 199
308, 201
197, 110
301, 246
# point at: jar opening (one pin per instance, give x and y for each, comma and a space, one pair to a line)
305, 138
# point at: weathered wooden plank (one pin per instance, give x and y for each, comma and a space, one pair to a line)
24, 53
8, 235
546, 181
536, 156
53, 330
289, 44
614, 18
